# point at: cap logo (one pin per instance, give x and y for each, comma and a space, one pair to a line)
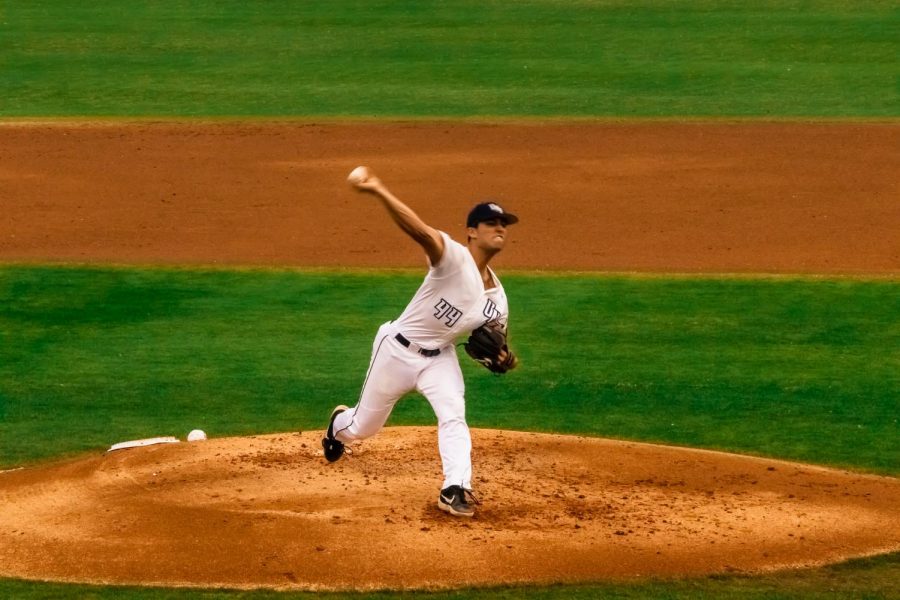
495, 208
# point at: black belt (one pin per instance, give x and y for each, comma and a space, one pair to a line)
399, 337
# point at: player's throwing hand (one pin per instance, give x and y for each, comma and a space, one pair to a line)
363, 179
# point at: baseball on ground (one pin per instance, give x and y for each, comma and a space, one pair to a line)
196, 435
358, 175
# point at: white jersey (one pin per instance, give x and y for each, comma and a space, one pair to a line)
452, 301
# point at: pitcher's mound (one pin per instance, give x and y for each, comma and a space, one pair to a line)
270, 512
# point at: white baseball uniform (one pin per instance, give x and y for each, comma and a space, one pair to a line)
416, 352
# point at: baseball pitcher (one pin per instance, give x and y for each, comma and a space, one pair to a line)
461, 295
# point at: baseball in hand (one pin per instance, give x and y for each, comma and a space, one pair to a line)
358, 175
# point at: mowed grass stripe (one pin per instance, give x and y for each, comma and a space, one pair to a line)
458, 58
803, 369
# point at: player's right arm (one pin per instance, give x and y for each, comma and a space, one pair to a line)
426, 236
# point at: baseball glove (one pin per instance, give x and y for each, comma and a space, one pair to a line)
486, 344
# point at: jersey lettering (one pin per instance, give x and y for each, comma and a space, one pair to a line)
490, 312
446, 312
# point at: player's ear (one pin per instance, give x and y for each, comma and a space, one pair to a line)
471, 232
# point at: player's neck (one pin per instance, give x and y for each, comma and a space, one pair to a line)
482, 258
487, 279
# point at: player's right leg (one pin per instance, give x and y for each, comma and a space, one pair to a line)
392, 373
334, 449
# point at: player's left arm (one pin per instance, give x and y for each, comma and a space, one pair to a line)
506, 355
510, 357
488, 345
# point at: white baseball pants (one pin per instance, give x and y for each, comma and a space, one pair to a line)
395, 370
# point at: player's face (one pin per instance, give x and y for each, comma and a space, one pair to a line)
491, 234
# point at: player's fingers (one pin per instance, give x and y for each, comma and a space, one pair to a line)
369, 185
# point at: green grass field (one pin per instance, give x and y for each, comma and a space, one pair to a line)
462, 58
91, 356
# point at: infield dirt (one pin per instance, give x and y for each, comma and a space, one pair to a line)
682, 197
268, 511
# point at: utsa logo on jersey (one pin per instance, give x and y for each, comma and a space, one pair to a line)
490, 312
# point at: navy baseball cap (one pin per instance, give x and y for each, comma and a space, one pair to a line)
487, 211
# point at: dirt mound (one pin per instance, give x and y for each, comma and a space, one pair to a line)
269, 511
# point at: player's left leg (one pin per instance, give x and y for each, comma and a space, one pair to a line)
441, 382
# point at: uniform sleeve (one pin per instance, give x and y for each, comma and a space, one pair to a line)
452, 259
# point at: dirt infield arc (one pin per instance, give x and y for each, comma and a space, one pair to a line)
269, 512
690, 197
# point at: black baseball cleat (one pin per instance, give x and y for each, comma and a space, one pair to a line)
453, 500
333, 448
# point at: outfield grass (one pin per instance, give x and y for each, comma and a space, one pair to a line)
805, 369
460, 58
